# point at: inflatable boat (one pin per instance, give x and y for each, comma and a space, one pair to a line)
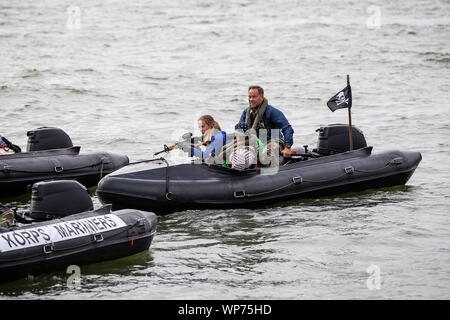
329, 169
52, 237
51, 155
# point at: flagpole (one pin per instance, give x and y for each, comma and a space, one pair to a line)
350, 135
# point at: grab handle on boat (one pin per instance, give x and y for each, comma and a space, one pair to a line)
239, 194
297, 180
98, 237
59, 169
349, 170
48, 248
396, 161
169, 195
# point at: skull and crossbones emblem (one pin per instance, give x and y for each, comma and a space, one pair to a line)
341, 98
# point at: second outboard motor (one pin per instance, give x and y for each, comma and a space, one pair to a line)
47, 138
334, 139
58, 198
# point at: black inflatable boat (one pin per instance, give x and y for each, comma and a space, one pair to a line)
51, 155
51, 237
330, 169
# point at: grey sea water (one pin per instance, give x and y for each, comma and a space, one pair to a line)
129, 76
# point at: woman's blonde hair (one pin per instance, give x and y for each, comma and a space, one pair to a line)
210, 122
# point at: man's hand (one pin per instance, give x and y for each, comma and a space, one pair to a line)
286, 152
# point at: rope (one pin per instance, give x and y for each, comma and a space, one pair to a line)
101, 168
269, 191
168, 193
319, 181
26, 171
148, 160
370, 171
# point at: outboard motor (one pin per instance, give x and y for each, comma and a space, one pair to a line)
47, 138
334, 139
58, 198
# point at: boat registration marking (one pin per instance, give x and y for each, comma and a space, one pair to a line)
52, 233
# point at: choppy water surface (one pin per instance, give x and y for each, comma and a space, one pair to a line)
128, 77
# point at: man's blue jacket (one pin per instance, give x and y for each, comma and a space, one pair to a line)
274, 119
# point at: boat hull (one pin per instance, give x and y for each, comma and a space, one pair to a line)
19, 171
78, 239
166, 189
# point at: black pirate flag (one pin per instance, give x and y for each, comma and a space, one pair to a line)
342, 99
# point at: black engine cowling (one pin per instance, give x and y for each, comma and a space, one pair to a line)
334, 138
58, 198
47, 138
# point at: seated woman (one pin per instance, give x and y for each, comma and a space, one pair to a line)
212, 137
